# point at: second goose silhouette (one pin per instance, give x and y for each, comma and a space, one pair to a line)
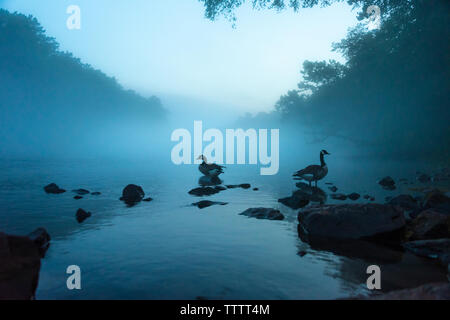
314, 172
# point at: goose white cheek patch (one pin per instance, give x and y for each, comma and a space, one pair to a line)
241, 147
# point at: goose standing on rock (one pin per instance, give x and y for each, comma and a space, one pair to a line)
314, 172
209, 169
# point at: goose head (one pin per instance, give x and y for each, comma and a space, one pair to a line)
324, 152
203, 158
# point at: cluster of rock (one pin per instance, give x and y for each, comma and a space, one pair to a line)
132, 194
211, 186
420, 226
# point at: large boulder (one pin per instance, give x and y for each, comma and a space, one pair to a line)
263, 213
53, 188
351, 221
430, 291
20, 259
429, 224
132, 194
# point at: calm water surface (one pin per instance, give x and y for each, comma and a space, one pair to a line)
167, 249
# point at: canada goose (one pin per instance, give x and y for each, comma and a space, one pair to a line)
209, 169
314, 172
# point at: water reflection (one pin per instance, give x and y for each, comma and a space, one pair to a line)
207, 181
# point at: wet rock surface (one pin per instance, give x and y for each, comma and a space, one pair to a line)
81, 192
294, 202
203, 191
263, 213
339, 196
132, 194
333, 189
206, 203
423, 177
53, 188
302, 197
82, 215
354, 196
351, 221
243, 186
387, 183
20, 258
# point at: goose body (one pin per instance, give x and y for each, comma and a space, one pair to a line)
314, 172
210, 169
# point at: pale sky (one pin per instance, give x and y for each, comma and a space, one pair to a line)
167, 47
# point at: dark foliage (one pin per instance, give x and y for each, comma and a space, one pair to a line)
393, 91
50, 98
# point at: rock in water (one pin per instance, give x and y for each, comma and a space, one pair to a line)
263, 213
52, 188
206, 203
147, 199
96, 193
354, 196
20, 263
333, 188
424, 178
429, 224
203, 191
82, 215
78, 197
294, 202
339, 196
351, 221
387, 183
81, 192
243, 186
132, 194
